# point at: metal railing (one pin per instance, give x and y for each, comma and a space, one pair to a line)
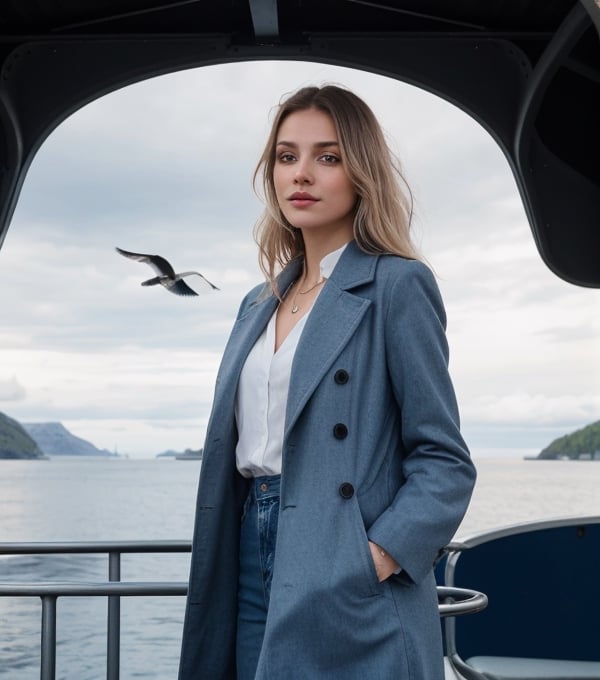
453, 601
113, 589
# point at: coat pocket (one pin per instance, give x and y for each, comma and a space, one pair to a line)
358, 554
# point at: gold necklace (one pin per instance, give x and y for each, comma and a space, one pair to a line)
295, 307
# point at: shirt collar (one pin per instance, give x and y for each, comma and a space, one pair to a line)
330, 260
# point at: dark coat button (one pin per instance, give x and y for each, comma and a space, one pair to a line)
341, 377
346, 490
340, 431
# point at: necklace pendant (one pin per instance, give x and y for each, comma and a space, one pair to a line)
294, 308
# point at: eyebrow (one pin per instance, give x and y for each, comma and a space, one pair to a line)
318, 145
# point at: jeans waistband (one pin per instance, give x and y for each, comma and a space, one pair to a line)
264, 487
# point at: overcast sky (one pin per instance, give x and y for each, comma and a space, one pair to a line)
165, 167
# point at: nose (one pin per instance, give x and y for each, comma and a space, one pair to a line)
302, 174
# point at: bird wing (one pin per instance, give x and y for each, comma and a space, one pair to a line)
158, 263
178, 287
202, 285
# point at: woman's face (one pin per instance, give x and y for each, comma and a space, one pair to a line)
311, 184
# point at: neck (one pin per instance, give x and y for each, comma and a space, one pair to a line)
316, 247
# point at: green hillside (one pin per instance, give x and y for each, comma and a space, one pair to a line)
581, 443
15, 442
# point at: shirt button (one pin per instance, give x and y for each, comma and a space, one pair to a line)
346, 490
341, 377
340, 431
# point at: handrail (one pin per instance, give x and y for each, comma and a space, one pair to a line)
458, 601
98, 547
114, 589
97, 589
453, 601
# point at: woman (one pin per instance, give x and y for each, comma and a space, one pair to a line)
333, 469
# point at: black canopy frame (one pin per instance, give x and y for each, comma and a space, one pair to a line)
528, 71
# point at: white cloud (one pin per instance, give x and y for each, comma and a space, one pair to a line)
11, 390
521, 408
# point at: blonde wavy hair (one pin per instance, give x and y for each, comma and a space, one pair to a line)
385, 204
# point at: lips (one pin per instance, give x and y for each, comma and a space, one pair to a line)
301, 199
302, 196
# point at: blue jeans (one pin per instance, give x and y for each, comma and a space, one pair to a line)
257, 551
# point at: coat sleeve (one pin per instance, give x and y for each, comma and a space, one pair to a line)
439, 475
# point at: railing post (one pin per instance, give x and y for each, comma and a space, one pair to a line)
113, 647
48, 660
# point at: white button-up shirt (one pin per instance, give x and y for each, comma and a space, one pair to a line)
261, 397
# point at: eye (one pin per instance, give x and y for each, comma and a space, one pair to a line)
329, 158
286, 157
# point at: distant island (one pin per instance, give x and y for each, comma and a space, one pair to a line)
55, 440
38, 441
16, 443
169, 453
188, 454
582, 444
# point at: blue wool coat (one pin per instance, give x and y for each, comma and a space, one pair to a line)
372, 450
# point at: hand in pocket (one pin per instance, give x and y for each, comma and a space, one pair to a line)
385, 565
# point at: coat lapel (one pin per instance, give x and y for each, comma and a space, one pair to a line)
244, 334
332, 322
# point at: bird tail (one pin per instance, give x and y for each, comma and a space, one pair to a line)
151, 282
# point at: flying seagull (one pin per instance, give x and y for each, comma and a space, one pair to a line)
166, 274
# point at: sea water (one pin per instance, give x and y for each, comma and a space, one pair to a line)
73, 499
